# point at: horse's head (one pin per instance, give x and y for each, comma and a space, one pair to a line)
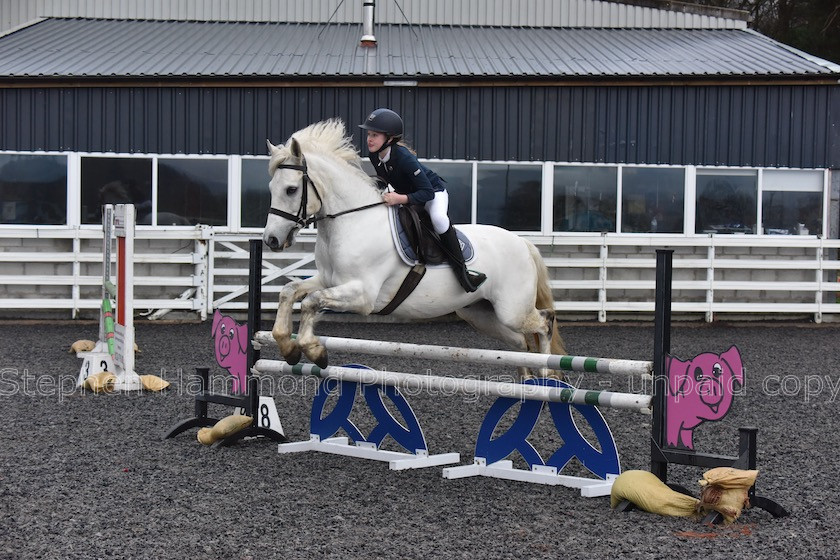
292, 200
322, 153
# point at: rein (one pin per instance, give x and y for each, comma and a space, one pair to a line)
301, 219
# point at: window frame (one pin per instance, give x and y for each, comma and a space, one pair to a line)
72, 200
546, 217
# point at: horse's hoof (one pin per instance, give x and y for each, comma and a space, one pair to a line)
294, 356
319, 357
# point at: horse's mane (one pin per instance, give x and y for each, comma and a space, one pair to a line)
326, 137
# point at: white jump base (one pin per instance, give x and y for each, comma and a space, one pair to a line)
539, 474
396, 460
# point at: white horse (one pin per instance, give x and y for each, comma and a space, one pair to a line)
315, 176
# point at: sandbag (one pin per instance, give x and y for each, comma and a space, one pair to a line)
647, 492
153, 382
82, 346
85, 345
100, 382
225, 427
724, 489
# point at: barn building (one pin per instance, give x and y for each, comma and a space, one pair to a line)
599, 130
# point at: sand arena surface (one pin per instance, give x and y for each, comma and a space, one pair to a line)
87, 476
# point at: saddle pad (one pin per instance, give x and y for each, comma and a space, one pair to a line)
405, 251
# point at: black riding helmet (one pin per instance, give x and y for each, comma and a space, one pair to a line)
385, 121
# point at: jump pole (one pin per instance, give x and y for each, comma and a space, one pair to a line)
477, 356
460, 385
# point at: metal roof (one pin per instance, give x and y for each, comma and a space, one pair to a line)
532, 13
144, 49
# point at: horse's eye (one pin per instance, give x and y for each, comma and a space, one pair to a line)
291, 190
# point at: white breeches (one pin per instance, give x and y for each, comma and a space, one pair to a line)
438, 209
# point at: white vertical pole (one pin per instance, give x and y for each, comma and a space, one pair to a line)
107, 233
127, 379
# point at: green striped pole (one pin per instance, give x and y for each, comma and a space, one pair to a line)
478, 356
459, 385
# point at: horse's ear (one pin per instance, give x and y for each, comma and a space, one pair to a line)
272, 149
294, 148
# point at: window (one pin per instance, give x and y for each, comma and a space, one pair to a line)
726, 201
107, 180
585, 198
652, 200
791, 202
509, 196
192, 191
458, 178
33, 189
256, 198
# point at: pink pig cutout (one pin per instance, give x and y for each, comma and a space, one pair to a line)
699, 390
230, 340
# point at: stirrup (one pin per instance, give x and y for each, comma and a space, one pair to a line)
476, 278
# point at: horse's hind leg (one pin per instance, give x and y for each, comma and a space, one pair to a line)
482, 318
532, 334
282, 330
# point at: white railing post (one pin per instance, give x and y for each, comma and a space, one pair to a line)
820, 278
602, 277
710, 278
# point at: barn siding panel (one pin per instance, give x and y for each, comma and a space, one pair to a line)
711, 125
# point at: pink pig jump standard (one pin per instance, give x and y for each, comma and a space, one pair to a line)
234, 353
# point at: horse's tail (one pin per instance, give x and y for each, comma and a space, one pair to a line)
545, 298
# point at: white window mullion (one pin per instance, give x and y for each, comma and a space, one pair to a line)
474, 186
759, 219
618, 197
547, 198
826, 205
74, 189
153, 221
234, 219
690, 205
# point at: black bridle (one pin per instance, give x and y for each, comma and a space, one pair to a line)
301, 219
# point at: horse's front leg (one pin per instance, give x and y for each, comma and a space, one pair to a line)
349, 297
282, 331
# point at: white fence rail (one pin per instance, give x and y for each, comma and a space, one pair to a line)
593, 276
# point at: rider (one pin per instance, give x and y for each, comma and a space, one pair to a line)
415, 183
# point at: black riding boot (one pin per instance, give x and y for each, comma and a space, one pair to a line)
469, 280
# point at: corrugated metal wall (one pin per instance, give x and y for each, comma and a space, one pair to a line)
536, 13
768, 126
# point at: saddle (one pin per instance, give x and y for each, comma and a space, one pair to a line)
421, 237
418, 246
416, 240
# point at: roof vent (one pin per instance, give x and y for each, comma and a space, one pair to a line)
368, 40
